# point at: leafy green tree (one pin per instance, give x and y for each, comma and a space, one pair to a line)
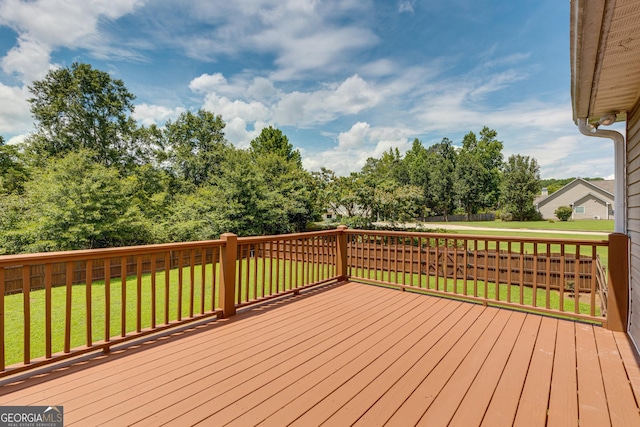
520, 185
84, 108
485, 154
339, 193
563, 213
197, 146
272, 140
490, 154
418, 164
442, 176
75, 203
13, 170
291, 191
468, 182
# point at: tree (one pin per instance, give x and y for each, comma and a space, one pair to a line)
197, 146
484, 157
418, 162
75, 203
272, 140
13, 170
290, 190
442, 176
520, 186
563, 213
339, 193
83, 108
468, 182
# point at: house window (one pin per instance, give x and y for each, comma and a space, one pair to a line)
579, 209
329, 216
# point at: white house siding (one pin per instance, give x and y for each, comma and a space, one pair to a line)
571, 193
633, 215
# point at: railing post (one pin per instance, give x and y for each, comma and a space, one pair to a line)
341, 241
618, 282
227, 288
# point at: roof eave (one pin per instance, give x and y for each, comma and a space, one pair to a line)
590, 22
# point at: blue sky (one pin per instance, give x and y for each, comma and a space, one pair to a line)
343, 79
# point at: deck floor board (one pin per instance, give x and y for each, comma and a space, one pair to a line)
352, 354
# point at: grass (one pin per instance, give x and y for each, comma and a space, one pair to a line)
605, 226
603, 251
280, 273
478, 289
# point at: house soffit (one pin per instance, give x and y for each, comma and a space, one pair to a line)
605, 57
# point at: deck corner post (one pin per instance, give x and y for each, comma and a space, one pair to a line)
341, 241
227, 289
618, 282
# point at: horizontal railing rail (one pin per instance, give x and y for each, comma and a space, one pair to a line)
64, 304
93, 299
552, 276
38, 327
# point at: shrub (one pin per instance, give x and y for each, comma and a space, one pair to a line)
563, 213
506, 216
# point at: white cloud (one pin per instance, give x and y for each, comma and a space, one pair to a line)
302, 37
237, 133
354, 137
45, 25
323, 50
15, 116
29, 59
206, 83
18, 139
155, 114
352, 96
230, 109
62, 22
406, 6
237, 99
497, 82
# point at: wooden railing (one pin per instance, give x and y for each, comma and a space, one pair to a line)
552, 276
70, 303
174, 284
272, 266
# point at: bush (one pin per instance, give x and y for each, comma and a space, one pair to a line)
563, 213
506, 216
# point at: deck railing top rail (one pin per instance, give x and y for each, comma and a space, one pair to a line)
85, 254
515, 239
92, 299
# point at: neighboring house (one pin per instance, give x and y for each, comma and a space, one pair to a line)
605, 88
587, 199
342, 211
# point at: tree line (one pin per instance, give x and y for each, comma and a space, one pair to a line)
438, 180
89, 176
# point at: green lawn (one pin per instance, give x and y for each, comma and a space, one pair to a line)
277, 276
602, 225
603, 251
433, 283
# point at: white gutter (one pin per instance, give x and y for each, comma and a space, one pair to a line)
620, 193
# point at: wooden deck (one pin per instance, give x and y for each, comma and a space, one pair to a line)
354, 354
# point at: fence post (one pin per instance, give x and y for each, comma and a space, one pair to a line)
618, 282
227, 289
341, 241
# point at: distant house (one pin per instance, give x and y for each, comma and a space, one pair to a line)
587, 199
